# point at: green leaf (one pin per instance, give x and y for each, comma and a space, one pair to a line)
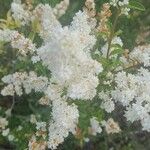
136, 5
117, 51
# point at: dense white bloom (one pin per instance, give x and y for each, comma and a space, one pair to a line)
48, 21
60, 8
107, 102
141, 54
41, 126
68, 57
65, 119
3, 123
95, 127
18, 41
133, 92
39, 84
123, 4
19, 13
8, 90
85, 89
19, 80
5, 132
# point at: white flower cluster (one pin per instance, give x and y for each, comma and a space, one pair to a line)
107, 102
110, 126
20, 13
3, 123
141, 54
67, 55
133, 92
18, 41
123, 4
19, 80
119, 2
95, 127
64, 116
4, 130
61, 8
48, 21
65, 119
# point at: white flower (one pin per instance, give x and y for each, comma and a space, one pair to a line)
35, 59
33, 119
123, 4
11, 137
5, 132
107, 102
114, 2
95, 127
41, 126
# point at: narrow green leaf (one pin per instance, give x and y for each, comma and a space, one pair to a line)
117, 51
136, 5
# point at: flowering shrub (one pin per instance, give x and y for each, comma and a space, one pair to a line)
70, 82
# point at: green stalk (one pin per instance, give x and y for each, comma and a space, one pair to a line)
112, 33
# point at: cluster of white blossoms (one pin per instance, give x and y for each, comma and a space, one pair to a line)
65, 119
110, 126
141, 54
18, 41
20, 12
61, 8
122, 4
4, 130
47, 20
66, 52
21, 80
133, 92
107, 103
23, 14
38, 140
95, 126
67, 56
119, 2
